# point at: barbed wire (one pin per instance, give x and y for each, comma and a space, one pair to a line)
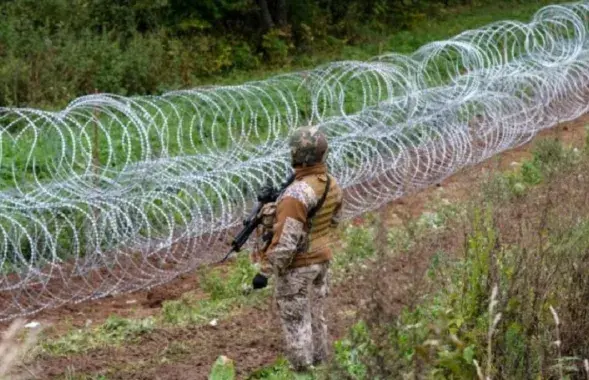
114, 194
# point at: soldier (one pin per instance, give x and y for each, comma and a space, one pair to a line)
299, 253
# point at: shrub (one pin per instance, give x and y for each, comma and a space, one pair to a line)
497, 308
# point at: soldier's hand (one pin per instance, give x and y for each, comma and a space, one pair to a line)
260, 281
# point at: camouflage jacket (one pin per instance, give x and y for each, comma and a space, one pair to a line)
294, 244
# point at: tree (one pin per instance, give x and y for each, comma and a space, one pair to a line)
267, 22
281, 13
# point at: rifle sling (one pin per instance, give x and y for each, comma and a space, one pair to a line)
319, 204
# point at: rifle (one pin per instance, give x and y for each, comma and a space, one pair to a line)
266, 195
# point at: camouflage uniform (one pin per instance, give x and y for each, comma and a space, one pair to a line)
300, 296
299, 254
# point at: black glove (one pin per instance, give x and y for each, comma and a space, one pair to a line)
260, 281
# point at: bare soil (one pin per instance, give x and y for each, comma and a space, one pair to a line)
253, 338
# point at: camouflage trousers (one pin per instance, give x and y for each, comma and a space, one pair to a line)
300, 297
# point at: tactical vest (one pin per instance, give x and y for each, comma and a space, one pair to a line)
319, 234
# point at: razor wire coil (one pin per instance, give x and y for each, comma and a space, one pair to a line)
114, 194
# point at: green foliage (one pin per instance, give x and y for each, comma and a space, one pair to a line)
531, 174
223, 369
233, 284
511, 334
360, 242
53, 51
279, 370
114, 331
359, 246
188, 310
277, 47
550, 156
348, 352
226, 293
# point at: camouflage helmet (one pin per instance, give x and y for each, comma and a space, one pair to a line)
308, 146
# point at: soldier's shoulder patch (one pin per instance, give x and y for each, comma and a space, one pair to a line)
302, 192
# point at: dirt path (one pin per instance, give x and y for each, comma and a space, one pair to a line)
253, 338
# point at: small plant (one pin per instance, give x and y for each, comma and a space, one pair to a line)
359, 245
115, 330
233, 283
188, 310
279, 370
349, 352
530, 173
223, 369
121, 329
551, 156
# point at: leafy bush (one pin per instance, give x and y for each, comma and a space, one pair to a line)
55, 50
277, 45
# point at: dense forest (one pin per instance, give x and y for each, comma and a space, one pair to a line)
54, 50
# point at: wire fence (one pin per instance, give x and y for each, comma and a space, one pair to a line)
116, 194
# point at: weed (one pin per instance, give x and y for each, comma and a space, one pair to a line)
223, 369
176, 349
358, 246
233, 283
349, 352
531, 174
188, 310
226, 293
279, 370
550, 156
115, 330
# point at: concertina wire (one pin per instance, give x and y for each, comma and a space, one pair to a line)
115, 194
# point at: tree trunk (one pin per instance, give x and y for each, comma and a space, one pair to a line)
267, 22
281, 12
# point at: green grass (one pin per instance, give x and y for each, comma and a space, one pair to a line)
114, 332
549, 158
176, 141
